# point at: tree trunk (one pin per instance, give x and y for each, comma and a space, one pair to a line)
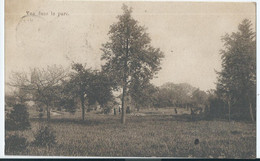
250, 109
191, 113
229, 110
83, 107
251, 112
124, 81
123, 108
114, 111
48, 113
137, 107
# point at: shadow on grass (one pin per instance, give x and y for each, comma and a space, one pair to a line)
87, 122
115, 120
182, 118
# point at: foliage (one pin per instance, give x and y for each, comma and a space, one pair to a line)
21, 95
142, 95
217, 108
80, 83
45, 136
129, 55
67, 99
199, 98
18, 119
100, 89
170, 94
15, 144
10, 100
237, 80
90, 85
107, 109
128, 111
111, 104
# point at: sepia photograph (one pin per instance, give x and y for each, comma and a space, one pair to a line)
156, 79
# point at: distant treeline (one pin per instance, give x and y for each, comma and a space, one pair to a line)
171, 95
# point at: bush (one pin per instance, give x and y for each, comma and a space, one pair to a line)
128, 110
107, 110
40, 115
18, 119
45, 136
15, 144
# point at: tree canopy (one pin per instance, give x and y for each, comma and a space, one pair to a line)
237, 79
129, 55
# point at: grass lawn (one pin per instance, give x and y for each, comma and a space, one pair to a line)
145, 136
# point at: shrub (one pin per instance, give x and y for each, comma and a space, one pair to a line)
107, 110
40, 115
15, 144
18, 119
45, 136
128, 109
40, 110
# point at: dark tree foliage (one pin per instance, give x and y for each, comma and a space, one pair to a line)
90, 86
10, 100
80, 83
217, 107
15, 144
142, 95
68, 99
18, 119
111, 104
45, 136
100, 89
237, 80
129, 55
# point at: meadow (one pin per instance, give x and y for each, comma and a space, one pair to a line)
147, 133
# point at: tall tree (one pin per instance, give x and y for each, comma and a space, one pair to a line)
129, 54
237, 80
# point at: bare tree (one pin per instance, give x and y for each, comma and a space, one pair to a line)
43, 85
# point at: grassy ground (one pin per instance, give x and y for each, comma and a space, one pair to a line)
148, 135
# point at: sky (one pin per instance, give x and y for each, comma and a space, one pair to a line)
188, 33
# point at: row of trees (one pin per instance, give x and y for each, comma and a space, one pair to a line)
169, 95
235, 95
56, 87
129, 62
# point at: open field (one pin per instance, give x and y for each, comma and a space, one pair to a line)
151, 134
